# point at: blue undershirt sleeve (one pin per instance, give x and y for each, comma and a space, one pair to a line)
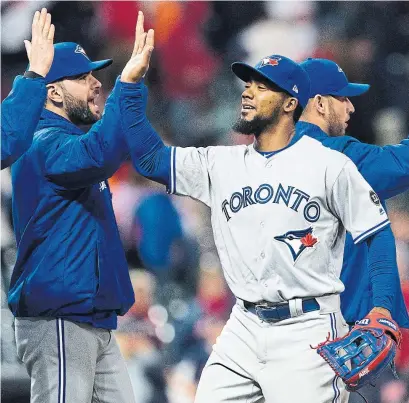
382, 264
150, 156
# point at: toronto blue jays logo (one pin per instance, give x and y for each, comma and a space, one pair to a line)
272, 61
297, 241
79, 49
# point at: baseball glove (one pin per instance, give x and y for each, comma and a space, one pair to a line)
360, 356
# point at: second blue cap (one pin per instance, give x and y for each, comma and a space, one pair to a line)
327, 78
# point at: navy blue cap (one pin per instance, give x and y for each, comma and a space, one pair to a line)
327, 78
70, 60
281, 71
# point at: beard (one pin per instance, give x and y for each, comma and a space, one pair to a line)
336, 128
257, 125
78, 111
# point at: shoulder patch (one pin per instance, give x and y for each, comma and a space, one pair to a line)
374, 198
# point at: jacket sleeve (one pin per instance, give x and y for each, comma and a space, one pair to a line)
20, 113
386, 168
78, 161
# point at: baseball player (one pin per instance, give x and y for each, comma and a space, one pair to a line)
385, 168
71, 279
28, 94
280, 208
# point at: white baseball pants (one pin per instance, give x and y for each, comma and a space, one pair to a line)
254, 361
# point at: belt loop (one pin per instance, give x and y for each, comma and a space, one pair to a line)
298, 306
295, 306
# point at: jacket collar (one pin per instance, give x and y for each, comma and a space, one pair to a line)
311, 130
50, 119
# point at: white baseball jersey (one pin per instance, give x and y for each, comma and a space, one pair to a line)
279, 223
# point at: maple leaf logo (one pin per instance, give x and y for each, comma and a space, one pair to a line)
308, 241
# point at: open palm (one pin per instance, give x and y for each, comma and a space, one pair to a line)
138, 64
40, 51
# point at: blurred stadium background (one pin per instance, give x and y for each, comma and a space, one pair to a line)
182, 301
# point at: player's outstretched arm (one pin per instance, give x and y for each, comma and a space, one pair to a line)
21, 110
150, 157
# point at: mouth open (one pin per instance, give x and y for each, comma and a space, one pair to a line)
245, 109
93, 106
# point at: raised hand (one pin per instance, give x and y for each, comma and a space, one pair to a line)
138, 64
40, 51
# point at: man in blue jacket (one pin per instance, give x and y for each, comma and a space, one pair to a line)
385, 168
71, 277
21, 110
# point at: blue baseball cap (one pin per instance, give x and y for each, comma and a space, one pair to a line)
327, 78
279, 70
70, 60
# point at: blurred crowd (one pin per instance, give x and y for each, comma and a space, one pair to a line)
182, 301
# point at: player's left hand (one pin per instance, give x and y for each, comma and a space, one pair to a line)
382, 311
377, 319
138, 64
360, 356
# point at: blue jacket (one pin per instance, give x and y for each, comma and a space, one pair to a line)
20, 113
386, 169
70, 260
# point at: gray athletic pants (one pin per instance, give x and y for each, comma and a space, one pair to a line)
70, 362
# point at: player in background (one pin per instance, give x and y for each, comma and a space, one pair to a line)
71, 278
21, 110
385, 168
279, 209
